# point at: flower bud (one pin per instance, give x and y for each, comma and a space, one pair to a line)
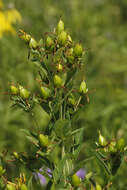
2, 171
69, 38
16, 155
14, 90
45, 92
57, 81
23, 187
78, 50
98, 187
112, 147
69, 56
71, 100
59, 67
62, 38
60, 27
75, 180
102, 141
10, 187
49, 43
43, 140
24, 36
33, 44
24, 93
120, 144
83, 88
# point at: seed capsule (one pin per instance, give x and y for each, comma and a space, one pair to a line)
16, 155
62, 38
98, 187
57, 81
120, 144
10, 187
102, 141
112, 147
49, 43
14, 90
75, 180
60, 27
59, 67
45, 92
33, 44
2, 171
71, 100
24, 93
78, 50
23, 187
83, 89
69, 56
43, 140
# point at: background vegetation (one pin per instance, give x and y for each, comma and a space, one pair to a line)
101, 26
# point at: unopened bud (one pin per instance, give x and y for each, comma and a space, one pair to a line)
62, 38
60, 27
83, 89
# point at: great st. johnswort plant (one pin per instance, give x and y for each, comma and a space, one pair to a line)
58, 59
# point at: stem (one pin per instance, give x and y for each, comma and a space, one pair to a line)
78, 102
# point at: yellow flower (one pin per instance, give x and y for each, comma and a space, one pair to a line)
7, 19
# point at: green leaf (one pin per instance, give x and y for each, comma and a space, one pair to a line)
30, 183
58, 172
33, 140
62, 128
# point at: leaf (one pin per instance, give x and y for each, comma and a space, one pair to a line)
26, 131
30, 183
103, 163
33, 140
58, 172
70, 75
62, 128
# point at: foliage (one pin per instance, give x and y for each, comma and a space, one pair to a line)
58, 59
101, 27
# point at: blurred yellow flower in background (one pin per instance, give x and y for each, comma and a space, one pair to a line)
7, 19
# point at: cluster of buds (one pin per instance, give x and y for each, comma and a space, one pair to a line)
111, 152
19, 185
60, 59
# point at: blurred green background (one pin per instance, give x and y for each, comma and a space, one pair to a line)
101, 26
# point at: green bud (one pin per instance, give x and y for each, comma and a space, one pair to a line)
43, 140
83, 88
112, 147
16, 155
33, 44
98, 187
24, 36
57, 81
102, 141
78, 50
60, 27
71, 100
62, 38
59, 67
69, 56
24, 93
75, 180
53, 187
10, 187
14, 90
120, 144
2, 171
69, 38
23, 187
45, 92
49, 43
